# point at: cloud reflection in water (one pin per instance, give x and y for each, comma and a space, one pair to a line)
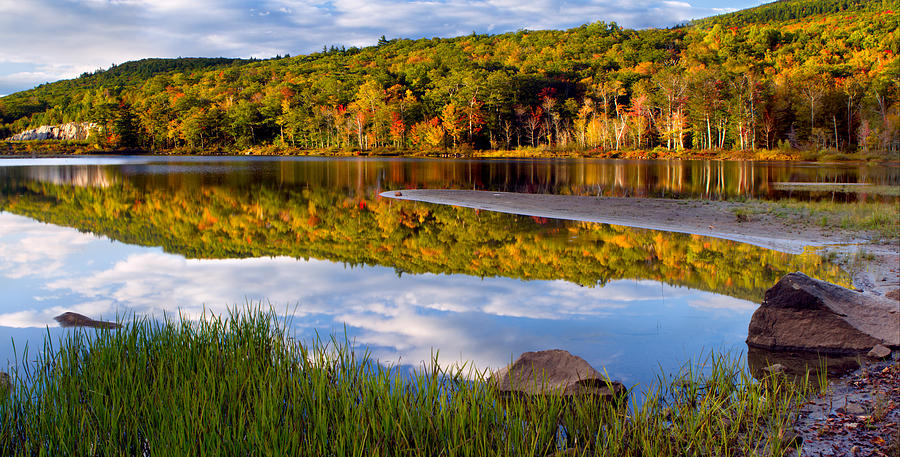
626, 326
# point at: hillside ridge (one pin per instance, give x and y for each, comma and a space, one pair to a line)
806, 75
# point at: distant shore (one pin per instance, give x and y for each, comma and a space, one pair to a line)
871, 259
58, 148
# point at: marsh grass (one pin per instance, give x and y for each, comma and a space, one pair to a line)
844, 188
879, 218
239, 386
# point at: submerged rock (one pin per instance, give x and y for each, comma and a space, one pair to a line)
555, 371
802, 313
796, 364
71, 319
853, 408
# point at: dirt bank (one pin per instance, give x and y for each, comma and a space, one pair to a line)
875, 266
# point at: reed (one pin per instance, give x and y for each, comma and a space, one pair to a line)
238, 385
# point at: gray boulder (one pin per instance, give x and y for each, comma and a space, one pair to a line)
554, 372
802, 313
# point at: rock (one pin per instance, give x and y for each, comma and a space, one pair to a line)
854, 409
71, 319
894, 294
879, 352
774, 369
802, 313
554, 371
67, 131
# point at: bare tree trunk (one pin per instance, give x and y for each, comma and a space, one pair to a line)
834, 121
849, 120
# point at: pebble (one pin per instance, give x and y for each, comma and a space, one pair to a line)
854, 409
879, 352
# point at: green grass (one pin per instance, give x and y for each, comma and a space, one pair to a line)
238, 386
883, 190
881, 219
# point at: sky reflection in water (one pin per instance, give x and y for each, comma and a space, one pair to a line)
220, 217
625, 327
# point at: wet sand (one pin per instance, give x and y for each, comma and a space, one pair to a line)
879, 274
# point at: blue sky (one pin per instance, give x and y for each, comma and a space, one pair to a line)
48, 40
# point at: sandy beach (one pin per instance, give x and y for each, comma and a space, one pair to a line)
878, 274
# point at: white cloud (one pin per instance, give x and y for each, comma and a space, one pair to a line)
483, 321
152, 282
724, 303
37, 251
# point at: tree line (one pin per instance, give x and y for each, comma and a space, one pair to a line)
802, 75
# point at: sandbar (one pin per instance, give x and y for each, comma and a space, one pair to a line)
712, 218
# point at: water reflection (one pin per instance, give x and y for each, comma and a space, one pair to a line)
624, 326
797, 364
232, 221
312, 238
644, 178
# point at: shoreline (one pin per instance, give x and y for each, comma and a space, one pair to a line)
878, 273
48, 148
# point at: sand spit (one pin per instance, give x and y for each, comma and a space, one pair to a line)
717, 219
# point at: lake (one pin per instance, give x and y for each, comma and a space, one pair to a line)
163, 236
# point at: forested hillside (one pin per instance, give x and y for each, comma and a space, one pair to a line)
129, 74
791, 75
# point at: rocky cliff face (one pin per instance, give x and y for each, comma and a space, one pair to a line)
68, 131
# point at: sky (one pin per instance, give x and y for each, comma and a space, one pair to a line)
49, 40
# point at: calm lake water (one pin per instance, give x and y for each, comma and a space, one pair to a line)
147, 235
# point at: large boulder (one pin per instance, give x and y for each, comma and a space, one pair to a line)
554, 372
802, 313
